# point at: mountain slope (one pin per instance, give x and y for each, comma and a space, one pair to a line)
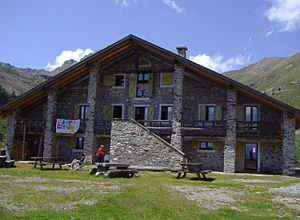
277, 77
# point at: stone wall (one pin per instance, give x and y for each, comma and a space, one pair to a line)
211, 159
288, 144
271, 158
10, 133
134, 144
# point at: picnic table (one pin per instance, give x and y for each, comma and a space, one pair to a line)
115, 169
47, 160
192, 168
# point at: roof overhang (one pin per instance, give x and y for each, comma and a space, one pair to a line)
38, 94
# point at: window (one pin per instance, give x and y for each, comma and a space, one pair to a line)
251, 115
166, 113
117, 111
119, 81
210, 113
80, 143
140, 113
142, 85
82, 112
206, 145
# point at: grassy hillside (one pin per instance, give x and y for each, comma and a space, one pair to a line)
276, 77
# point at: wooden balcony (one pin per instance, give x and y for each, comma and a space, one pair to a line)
204, 128
260, 129
162, 128
30, 126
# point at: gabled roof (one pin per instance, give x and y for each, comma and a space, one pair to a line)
38, 94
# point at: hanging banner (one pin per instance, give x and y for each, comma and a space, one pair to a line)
67, 126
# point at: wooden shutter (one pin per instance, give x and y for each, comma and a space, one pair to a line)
166, 79
195, 145
218, 113
150, 113
131, 88
107, 110
108, 80
202, 112
150, 86
240, 113
76, 112
218, 146
130, 113
72, 142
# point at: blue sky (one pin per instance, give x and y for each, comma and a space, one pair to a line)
220, 34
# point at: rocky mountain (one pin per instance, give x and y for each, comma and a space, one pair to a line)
14, 80
276, 76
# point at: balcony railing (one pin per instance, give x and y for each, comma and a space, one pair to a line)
159, 127
260, 129
210, 128
103, 126
30, 125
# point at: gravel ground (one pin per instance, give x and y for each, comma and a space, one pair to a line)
256, 181
293, 190
211, 198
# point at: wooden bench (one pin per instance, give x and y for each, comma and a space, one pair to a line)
192, 168
2, 161
120, 173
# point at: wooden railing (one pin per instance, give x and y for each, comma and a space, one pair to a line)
159, 127
103, 126
194, 128
260, 129
29, 125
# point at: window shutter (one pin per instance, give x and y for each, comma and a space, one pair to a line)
130, 113
108, 80
76, 112
72, 141
150, 113
218, 145
150, 86
240, 113
195, 145
131, 88
218, 113
202, 112
166, 79
107, 110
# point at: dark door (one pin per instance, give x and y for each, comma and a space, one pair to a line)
251, 157
140, 113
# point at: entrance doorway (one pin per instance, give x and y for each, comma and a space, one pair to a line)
251, 157
140, 113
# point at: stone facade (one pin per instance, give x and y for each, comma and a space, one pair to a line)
50, 136
271, 158
230, 140
176, 138
288, 145
133, 144
90, 143
10, 133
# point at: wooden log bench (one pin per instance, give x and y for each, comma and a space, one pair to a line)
2, 161
120, 173
9, 163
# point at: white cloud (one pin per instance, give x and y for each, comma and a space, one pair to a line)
125, 3
285, 14
65, 55
218, 63
173, 5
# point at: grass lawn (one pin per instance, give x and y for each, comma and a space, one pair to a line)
28, 193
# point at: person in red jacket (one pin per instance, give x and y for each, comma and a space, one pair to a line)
100, 154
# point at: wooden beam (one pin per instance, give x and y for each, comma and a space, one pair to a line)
258, 140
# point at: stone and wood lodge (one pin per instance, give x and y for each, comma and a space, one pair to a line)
151, 107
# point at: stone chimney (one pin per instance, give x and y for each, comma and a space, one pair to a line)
182, 51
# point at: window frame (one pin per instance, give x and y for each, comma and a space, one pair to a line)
112, 110
77, 143
116, 86
160, 110
206, 145
206, 106
142, 81
84, 107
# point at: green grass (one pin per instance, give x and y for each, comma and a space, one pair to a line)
28, 193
